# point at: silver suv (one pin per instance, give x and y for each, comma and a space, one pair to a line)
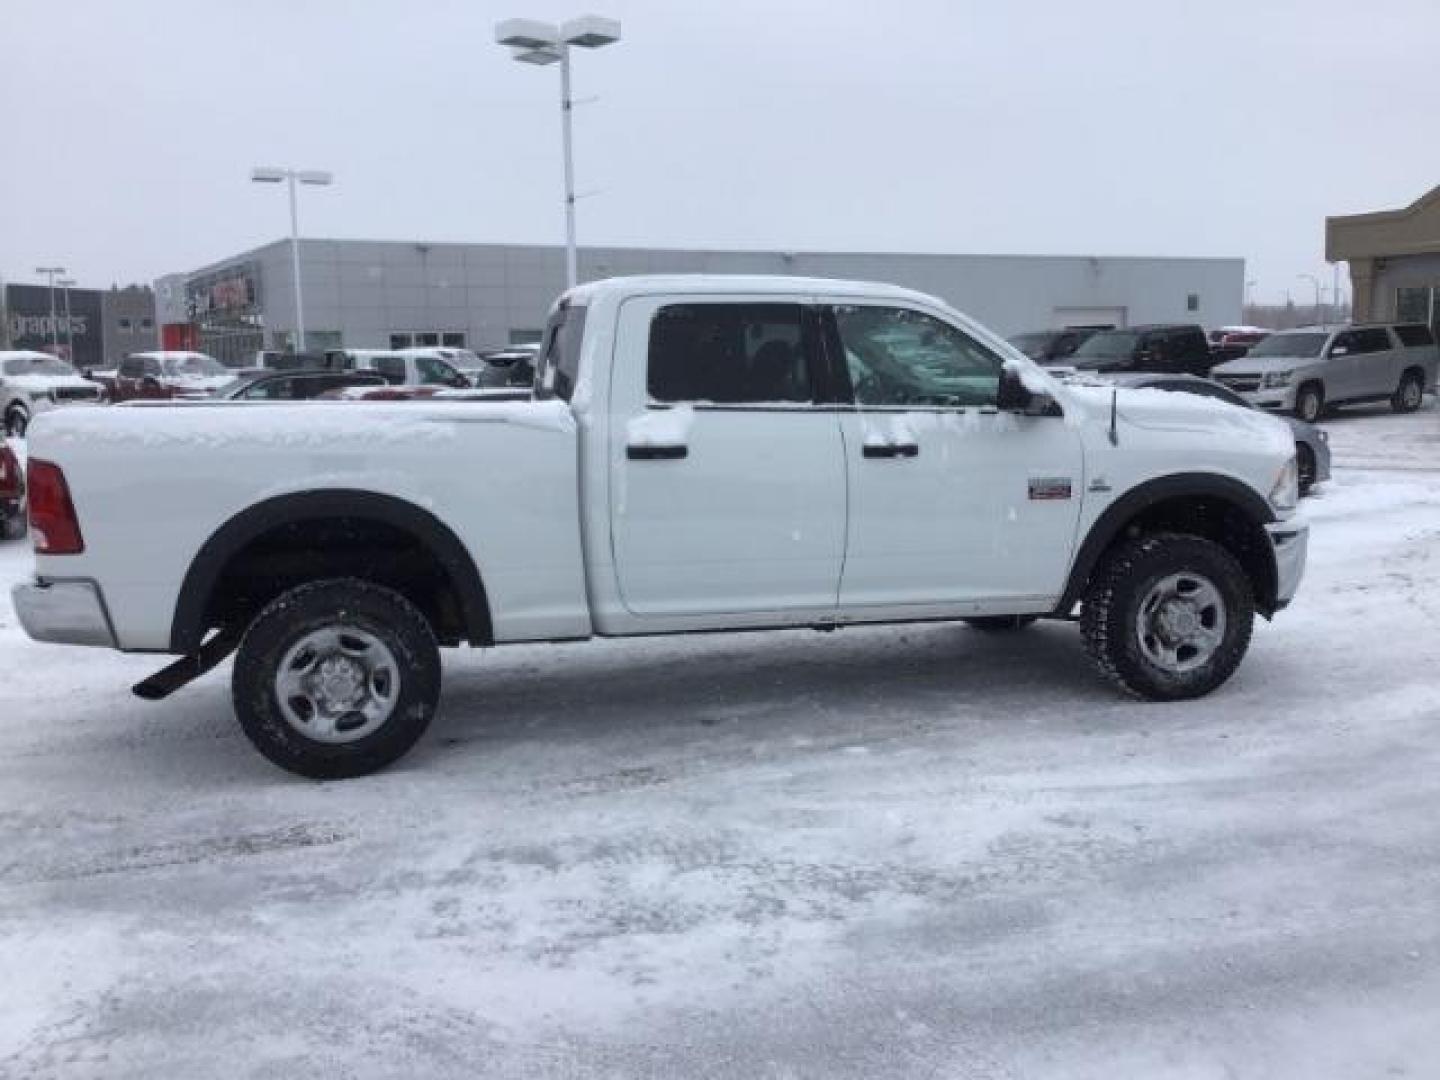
1309, 370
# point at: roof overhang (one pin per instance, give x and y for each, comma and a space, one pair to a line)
1411, 230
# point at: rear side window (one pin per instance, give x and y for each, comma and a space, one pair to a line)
728, 354
1414, 335
392, 368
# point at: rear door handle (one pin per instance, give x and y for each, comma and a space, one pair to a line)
893, 450
656, 453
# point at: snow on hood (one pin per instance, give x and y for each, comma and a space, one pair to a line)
1169, 410
1260, 365
49, 382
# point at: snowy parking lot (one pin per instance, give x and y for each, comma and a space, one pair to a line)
913, 851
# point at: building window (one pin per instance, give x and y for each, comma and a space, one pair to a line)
427, 339
1192, 302
526, 337
147, 324
125, 325
1412, 304
401, 341
453, 339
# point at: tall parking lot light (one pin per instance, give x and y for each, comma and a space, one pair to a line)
65, 284
51, 271
272, 175
542, 43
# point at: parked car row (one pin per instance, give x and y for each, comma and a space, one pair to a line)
1304, 372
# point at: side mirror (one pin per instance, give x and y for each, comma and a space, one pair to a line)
1014, 396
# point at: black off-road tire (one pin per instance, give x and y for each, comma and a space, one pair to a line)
1310, 402
1410, 394
350, 602
17, 421
1112, 602
1001, 624
1305, 463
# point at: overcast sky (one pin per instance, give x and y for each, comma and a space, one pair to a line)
1129, 127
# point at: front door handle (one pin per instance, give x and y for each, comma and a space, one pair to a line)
656, 453
893, 450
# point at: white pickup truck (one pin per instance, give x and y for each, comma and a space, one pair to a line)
701, 453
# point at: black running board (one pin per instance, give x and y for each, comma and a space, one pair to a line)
188, 668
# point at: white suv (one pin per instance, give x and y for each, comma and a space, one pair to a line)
1309, 370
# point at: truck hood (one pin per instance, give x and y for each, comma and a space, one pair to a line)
1262, 365
1168, 410
39, 384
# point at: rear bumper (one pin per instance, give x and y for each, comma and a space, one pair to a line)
1291, 541
66, 612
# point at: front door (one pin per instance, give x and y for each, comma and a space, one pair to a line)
727, 466
954, 506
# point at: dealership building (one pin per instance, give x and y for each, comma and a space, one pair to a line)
1394, 258
392, 294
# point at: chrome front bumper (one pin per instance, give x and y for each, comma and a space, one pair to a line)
67, 612
1291, 541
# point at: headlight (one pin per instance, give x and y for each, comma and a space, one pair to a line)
1285, 495
1276, 379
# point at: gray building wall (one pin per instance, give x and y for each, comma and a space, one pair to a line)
361, 292
129, 320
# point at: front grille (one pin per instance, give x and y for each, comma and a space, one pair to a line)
75, 393
1242, 383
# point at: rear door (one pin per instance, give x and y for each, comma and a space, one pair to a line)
728, 483
954, 506
1373, 363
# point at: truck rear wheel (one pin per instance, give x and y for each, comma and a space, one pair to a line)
336, 678
1168, 616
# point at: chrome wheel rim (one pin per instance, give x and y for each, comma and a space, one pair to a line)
1309, 406
1181, 622
1411, 394
337, 684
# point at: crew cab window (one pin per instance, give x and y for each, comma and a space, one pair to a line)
132, 367
729, 354
903, 358
1414, 335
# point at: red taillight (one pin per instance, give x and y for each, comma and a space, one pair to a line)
53, 524
9, 473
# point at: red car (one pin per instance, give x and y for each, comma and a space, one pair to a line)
12, 494
165, 375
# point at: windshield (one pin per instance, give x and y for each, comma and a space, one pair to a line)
1109, 343
1032, 345
1288, 345
195, 364
37, 365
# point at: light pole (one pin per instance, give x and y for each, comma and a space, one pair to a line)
1319, 317
544, 43
51, 271
271, 175
1249, 292
65, 284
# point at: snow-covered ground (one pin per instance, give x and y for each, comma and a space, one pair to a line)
891, 852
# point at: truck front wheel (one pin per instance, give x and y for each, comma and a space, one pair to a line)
336, 678
1168, 616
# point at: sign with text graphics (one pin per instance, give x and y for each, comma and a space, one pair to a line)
30, 324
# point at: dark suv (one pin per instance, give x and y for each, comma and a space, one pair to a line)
1168, 349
